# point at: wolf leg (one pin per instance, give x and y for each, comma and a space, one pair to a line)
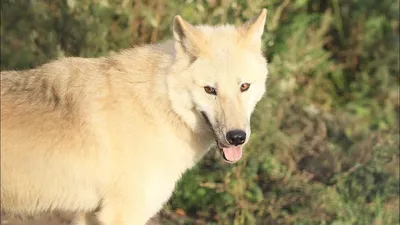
122, 212
80, 219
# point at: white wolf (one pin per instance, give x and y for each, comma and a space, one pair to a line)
116, 133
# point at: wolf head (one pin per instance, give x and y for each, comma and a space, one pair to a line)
218, 76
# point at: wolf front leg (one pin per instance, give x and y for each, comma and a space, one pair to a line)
80, 219
122, 212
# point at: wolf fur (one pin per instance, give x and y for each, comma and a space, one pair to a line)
116, 133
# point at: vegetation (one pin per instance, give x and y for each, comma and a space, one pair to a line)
325, 144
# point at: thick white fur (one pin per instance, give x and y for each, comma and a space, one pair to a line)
116, 133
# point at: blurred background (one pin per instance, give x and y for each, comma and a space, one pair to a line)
325, 141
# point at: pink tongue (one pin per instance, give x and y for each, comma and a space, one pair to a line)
233, 154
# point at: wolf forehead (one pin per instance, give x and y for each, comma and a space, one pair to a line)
202, 39
225, 49
224, 42
220, 36
237, 69
222, 47
230, 62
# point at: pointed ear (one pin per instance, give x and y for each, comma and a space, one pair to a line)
252, 30
189, 40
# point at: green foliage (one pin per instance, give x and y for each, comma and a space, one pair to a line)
324, 148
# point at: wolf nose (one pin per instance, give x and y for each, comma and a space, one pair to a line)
236, 137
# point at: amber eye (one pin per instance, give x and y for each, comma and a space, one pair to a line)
210, 90
244, 87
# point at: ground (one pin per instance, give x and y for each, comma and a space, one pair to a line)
46, 219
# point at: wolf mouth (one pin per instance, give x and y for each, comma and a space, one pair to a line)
210, 126
220, 146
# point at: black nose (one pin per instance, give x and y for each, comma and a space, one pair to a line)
236, 137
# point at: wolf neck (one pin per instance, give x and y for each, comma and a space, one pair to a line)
181, 106
168, 103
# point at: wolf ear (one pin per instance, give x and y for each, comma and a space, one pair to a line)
253, 29
189, 40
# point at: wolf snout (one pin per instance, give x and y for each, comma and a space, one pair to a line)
236, 137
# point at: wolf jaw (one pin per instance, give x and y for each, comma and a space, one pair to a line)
230, 154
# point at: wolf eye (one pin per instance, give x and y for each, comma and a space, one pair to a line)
244, 87
210, 90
